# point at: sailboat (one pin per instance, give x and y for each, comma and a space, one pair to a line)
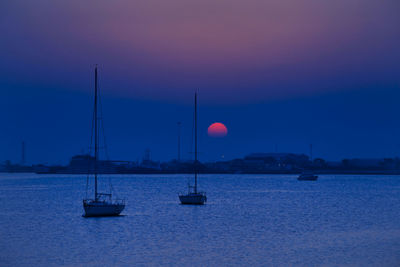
102, 204
194, 197
308, 175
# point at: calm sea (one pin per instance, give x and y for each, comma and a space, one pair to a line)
254, 220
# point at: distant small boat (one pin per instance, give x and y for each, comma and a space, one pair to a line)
102, 204
194, 197
307, 176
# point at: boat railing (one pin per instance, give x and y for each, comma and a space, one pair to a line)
103, 197
88, 200
191, 192
115, 201
119, 201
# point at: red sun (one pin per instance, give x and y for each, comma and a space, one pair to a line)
217, 129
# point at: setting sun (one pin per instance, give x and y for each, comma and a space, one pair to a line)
217, 129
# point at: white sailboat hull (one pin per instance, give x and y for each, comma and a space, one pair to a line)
99, 209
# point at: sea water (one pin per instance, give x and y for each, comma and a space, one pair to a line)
254, 220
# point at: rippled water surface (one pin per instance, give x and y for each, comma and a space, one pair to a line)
258, 220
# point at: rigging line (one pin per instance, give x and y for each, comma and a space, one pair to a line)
87, 186
101, 122
102, 127
196, 166
192, 144
112, 190
90, 152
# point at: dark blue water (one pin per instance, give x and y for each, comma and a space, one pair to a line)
259, 220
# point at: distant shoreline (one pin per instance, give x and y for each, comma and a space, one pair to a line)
255, 163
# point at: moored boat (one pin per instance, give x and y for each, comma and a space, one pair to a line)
307, 176
194, 197
102, 204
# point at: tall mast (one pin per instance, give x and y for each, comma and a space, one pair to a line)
195, 142
96, 141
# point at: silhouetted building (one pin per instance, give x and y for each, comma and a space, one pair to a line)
277, 160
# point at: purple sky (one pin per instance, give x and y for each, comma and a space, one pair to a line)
233, 50
238, 53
